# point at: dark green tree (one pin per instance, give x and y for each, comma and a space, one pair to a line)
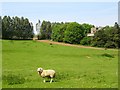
45, 30
16, 28
86, 41
116, 35
7, 27
99, 39
73, 33
0, 27
58, 32
107, 37
86, 28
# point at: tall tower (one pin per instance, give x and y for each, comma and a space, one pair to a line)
38, 25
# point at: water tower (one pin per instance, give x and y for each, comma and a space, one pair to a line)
38, 25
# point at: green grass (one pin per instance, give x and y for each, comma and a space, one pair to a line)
0, 64
75, 67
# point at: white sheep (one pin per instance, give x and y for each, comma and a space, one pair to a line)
46, 73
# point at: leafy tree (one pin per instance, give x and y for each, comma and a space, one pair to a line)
107, 37
0, 27
73, 33
110, 44
58, 32
17, 31
48, 30
45, 30
6, 27
86, 28
116, 35
27, 29
86, 41
16, 28
99, 39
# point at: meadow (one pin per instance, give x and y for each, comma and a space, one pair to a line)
75, 67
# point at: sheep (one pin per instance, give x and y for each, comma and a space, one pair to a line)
46, 73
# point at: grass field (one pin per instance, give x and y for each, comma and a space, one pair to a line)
75, 67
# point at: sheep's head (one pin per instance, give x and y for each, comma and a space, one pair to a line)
40, 70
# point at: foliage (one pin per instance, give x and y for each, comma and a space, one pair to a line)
58, 32
67, 32
107, 37
86, 28
0, 27
99, 39
45, 30
16, 28
110, 44
73, 33
86, 41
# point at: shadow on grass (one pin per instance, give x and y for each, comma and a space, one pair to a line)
107, 55
11, 79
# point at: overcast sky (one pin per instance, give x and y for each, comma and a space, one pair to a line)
96, 13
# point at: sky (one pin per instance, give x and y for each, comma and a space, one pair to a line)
59, 0
96, 13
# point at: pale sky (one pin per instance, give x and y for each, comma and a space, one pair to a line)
59, 0
96, 13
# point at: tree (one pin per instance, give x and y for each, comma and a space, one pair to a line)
27, 30
86, 41
17, 31
99, 39
58, 31
107, 37
48, 30
6, 27
0, 27
116, 35
16, 28
45, 30
86, 28
73, 33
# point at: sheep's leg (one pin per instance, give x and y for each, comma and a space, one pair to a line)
44, 81
51, 80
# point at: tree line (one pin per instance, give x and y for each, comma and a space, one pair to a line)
68, 32
107, 37
75, 33
16, 28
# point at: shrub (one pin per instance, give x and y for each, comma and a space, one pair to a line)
85, 41
110, 44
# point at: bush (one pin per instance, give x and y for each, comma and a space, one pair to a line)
110, 44
85, 41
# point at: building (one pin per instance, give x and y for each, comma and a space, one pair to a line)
38, 25
37, 31
93, 31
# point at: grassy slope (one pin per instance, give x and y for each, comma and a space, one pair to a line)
0, 64
75, 67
